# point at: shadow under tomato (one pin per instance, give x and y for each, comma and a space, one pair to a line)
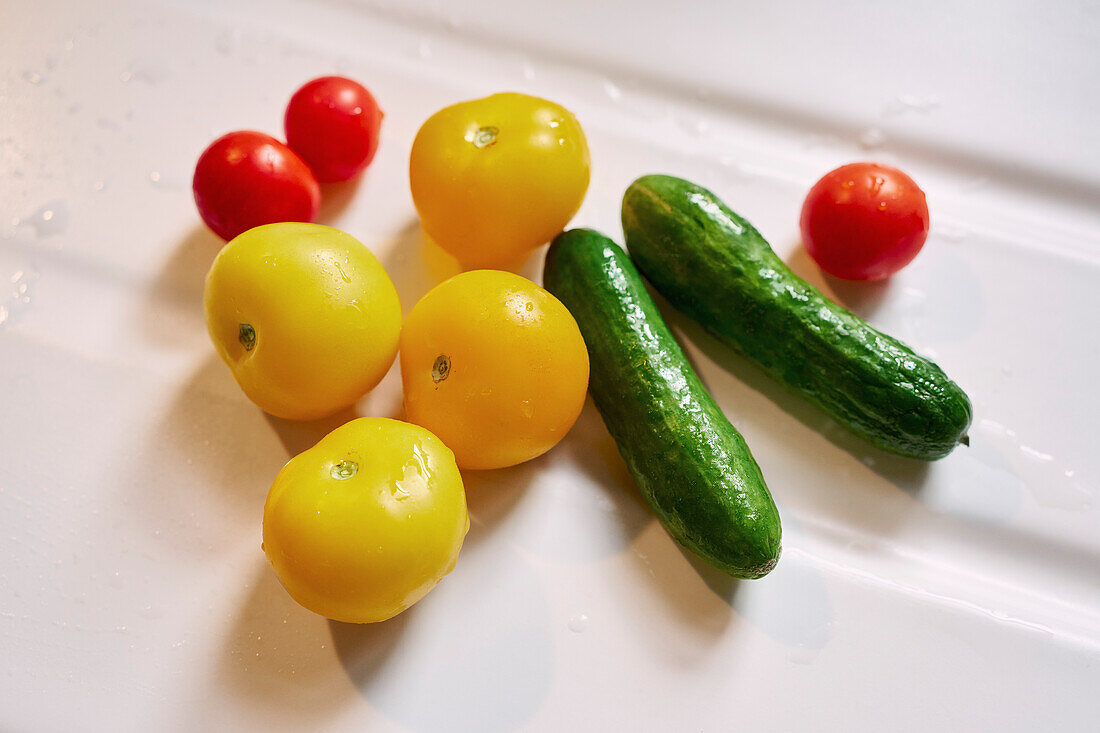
301, 435
862, 298
279, 656
491, 495
172, 314
215, 442
337, 196
416, 264
364, 648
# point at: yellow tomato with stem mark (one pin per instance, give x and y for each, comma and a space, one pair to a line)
494, 178
495, 366
365, 523
305, 317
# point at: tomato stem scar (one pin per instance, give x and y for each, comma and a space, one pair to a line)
485, 136
246, 335
344, 470
441, 368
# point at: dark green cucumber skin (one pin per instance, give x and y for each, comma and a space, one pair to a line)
715, 267
691, 465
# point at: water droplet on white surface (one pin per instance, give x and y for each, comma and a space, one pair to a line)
578, 623
1051, 484
150, 612
802, 654
98, 186
871, 138
125, 76
951, 232
974, 184
612, 91
32, 77
49, 219
904, 103
19, 296
168, 181
227, 42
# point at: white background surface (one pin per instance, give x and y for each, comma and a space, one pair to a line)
961, 595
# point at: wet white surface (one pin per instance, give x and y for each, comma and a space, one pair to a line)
960, 595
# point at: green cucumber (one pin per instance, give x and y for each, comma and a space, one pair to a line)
715, 267
691, 465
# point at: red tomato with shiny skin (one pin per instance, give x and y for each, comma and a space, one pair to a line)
333, 123
864, 221
245, 179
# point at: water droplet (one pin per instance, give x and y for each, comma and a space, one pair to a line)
32, 77
126, 76
871, 138
578, 623
49, 219
526, 408
227, 42
951, 233
1052, 485
905, 103
98, 186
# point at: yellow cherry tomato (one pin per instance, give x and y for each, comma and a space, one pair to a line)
365, 523
495, 178
495, 366
305, 317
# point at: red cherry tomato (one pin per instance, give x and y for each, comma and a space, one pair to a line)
333, 123
245, 179
864, 221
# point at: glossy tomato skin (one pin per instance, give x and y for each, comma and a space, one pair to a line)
247, 179
864, 221
494, 178
365, 523
304, 316
333, 123
495, 366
